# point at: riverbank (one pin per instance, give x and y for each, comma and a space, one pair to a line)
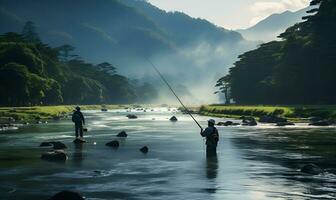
10, 115
295, 113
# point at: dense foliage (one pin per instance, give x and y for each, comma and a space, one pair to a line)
300, 69
32, 73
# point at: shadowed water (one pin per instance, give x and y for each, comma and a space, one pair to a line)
260, 162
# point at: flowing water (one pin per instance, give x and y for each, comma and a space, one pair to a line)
261, 162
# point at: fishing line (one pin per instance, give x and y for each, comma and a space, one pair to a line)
171, 89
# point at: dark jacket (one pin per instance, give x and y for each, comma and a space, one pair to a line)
212, 136
78, 117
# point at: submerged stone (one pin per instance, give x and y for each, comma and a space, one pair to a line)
114, 144
57, 155
122, 134
144, 149
85, 129
67, 195
311, 169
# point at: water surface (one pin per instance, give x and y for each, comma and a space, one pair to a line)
260, 162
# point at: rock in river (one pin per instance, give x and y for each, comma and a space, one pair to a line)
321, 123
131, 116
173, 119
57, 155
227, 123
272, 119
144, 149
122, 134
58, 145
249, 121
67, 195
311, 169
46, 144
114, 144
285, 124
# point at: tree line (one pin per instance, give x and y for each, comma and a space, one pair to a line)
298, 69
33, 73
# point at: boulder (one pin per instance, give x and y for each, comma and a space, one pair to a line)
57, 155
58, 145
312, 169
46, 144
173, 119
285, 124
131, 116
85, 130
315, 119
321, 123
272, 119
67, 195
122, 134
144, 149
114, 144
249, 121
104, 110
79, 141
227, 123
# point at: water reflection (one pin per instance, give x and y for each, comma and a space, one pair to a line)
77, 155
212, 167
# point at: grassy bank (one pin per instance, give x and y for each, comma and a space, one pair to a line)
36, 113
293, 112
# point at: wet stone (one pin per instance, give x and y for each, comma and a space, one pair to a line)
173, 119
67, 195
114, 144
54, 156
122, 134
144, 149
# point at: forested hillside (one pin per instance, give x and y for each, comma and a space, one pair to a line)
300, 69
33, 73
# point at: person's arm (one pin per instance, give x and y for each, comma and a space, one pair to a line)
207, 132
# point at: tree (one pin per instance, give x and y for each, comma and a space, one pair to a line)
224, 87
107, 68
65, 52
29, 33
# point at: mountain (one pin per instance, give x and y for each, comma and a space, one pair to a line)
271, 27
127, 32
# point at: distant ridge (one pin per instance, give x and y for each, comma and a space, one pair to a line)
269, 28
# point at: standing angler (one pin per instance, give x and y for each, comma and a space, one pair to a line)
78, 119
212, 137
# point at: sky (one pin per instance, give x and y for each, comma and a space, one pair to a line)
231, 14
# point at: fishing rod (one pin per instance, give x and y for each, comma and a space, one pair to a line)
171, 89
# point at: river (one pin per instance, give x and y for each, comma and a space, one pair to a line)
253, 163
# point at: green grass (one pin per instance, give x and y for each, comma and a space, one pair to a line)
293, 112
34, 113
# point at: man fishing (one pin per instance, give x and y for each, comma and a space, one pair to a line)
78, 119
212, 137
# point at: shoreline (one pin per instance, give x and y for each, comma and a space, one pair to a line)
299, 113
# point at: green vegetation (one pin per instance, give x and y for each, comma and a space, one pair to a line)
32, 73
294, 112
35, 113
299, 69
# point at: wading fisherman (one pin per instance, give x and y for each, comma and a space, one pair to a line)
212, 137
78, 119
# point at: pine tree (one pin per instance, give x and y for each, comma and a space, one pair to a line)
29, 32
